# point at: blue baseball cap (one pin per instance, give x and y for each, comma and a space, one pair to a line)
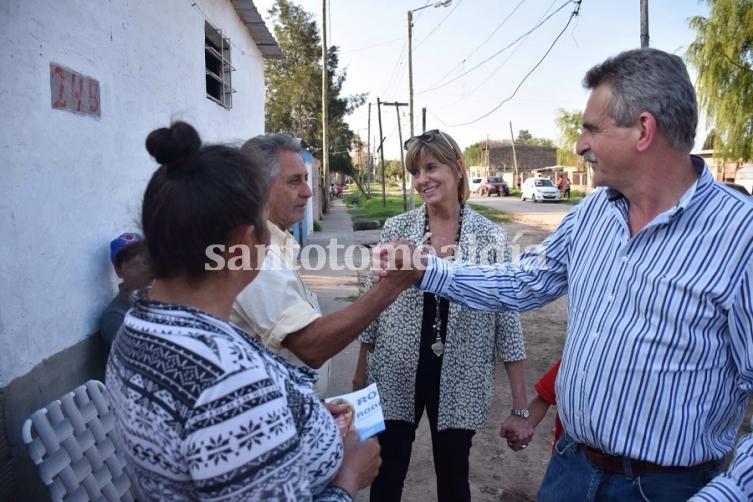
121, 242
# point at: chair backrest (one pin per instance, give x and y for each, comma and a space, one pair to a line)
73, 444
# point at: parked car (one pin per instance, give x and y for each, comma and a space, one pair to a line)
475, 184
493, 184
539, 190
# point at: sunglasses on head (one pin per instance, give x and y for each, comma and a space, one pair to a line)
428, 137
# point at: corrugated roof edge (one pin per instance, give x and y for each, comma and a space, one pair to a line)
261, 36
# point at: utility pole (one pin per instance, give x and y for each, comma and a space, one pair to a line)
423, 130
439, 3
400, 145
370, 168
361, 169
381, 151
644, 23
410, 73
487, 156
325, 112
514, 157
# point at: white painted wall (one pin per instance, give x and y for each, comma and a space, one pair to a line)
70, 183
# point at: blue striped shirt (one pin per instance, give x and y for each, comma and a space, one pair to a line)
658, 359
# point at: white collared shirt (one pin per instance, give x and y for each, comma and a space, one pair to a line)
278, 302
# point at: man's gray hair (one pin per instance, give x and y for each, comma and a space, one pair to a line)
650, 80
266, 147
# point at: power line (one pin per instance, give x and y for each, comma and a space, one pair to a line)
538, 25
515, 50
377, 44
572, 15
393, 76
474, 51
440, 24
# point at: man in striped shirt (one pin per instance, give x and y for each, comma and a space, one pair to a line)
658, 269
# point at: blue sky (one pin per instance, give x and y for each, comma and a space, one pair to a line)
448, 42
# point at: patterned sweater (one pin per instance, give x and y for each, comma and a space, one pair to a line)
473, 337
206, 413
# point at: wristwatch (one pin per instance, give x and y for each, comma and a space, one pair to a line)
523, 412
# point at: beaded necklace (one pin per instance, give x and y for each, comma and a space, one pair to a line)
438, 346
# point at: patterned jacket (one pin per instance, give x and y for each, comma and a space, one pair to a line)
207, 413
472, 341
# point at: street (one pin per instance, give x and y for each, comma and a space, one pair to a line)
547, 215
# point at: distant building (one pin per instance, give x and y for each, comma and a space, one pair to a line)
499, 158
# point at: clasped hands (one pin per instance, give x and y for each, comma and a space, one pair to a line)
399, 261
517, 431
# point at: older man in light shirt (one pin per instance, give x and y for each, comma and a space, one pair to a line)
278, 306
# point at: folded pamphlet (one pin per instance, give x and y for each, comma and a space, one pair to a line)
364, 414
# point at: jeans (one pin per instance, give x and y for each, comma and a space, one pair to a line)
571, 477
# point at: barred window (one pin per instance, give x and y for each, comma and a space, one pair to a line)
218, 67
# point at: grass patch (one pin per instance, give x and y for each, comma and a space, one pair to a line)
492, 214
575, 197
372, 209
350, 298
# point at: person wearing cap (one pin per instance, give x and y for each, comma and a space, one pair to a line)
129, 258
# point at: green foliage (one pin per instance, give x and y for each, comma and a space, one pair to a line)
372, 209
569, 124
541, 142
711, 138
525, 138
722, 53
575, 197
473, 155
294, 83
393, 170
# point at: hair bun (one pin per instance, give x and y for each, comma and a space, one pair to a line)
167, 145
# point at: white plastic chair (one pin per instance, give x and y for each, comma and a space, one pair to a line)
73, 444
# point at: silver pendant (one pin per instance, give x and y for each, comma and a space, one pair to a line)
438, 348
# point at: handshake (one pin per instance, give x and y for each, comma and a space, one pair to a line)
399, 262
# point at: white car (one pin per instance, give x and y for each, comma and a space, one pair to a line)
475, 184
539, 190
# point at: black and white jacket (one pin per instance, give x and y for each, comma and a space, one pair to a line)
473, 342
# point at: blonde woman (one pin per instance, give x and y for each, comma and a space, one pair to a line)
427, 354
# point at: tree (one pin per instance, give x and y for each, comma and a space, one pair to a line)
393, 170
294, 82
711, 138
473, 155
523, 136
722, 53
569, 124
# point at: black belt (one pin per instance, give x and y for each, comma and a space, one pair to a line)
615, 464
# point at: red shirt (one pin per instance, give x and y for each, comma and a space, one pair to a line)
545, 388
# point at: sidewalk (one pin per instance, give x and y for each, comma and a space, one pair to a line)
336, 289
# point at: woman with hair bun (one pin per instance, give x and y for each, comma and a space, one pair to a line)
203, 410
